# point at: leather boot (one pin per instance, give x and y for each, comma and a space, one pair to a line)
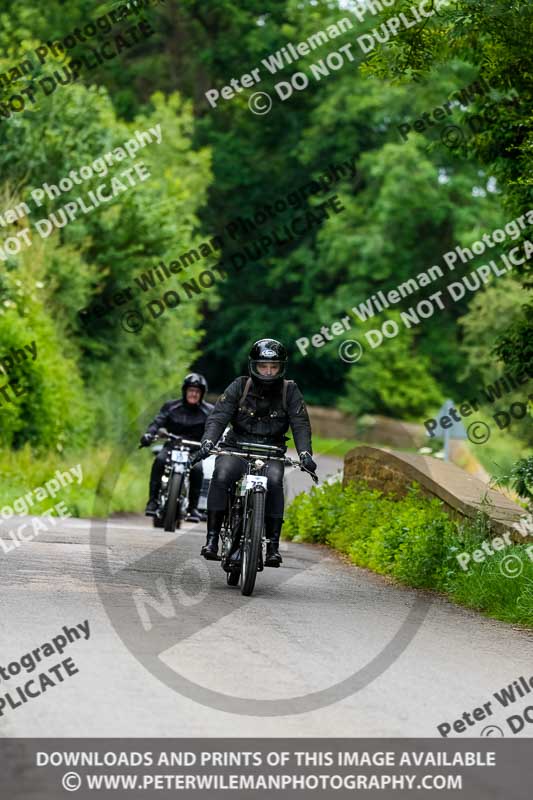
155, 482
151, 507
273, 531
214, 524
193, 515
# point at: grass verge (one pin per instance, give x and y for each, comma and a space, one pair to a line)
333, 447
21, 472
415, 542
339, 447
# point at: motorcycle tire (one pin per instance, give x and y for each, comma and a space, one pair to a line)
251, 548
172, 518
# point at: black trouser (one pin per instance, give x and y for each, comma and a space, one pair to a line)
196, 477
228, 470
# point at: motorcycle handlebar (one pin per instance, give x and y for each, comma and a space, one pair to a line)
162, 433
287, 460
219, 451
268, 448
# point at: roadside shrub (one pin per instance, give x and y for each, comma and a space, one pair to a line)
414, 541
363, 510
411, 546
313, 514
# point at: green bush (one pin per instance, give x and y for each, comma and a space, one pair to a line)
361, 513
414, 541
313, 514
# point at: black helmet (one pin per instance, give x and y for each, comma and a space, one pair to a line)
267, 350
194, 379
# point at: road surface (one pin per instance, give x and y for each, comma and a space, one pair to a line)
310, 625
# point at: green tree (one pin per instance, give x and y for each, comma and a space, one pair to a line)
491, 313
494, 36
394, 379
83, 365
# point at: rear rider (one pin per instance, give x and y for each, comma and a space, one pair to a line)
185, 417
260, 408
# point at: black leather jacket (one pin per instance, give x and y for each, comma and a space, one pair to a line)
261, 418
182, 419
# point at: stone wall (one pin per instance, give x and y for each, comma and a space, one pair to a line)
333, 424
462, 494
329, 423
392, 432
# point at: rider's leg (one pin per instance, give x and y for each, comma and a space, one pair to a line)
214, 524
274, 513
156, 474
228, 470
273, 532
195, 487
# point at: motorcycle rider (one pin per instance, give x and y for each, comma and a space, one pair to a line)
259, 408
187, 418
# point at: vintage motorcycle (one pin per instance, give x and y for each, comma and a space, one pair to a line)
173, 494
243, 529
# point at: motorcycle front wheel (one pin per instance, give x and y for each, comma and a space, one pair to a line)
251, 548
172, 518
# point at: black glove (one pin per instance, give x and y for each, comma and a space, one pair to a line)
306, 461
203, 452
146, 439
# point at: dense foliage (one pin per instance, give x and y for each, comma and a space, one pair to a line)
91, 376
414, 541
407, 204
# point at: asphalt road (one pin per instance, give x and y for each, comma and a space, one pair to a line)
310, 626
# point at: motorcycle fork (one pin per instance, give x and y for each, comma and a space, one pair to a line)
262, 551
247, 511
164, 484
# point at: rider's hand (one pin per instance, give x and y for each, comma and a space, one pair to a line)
204, 450
306, 461
146, 439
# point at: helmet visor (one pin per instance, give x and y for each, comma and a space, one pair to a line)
267, 371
